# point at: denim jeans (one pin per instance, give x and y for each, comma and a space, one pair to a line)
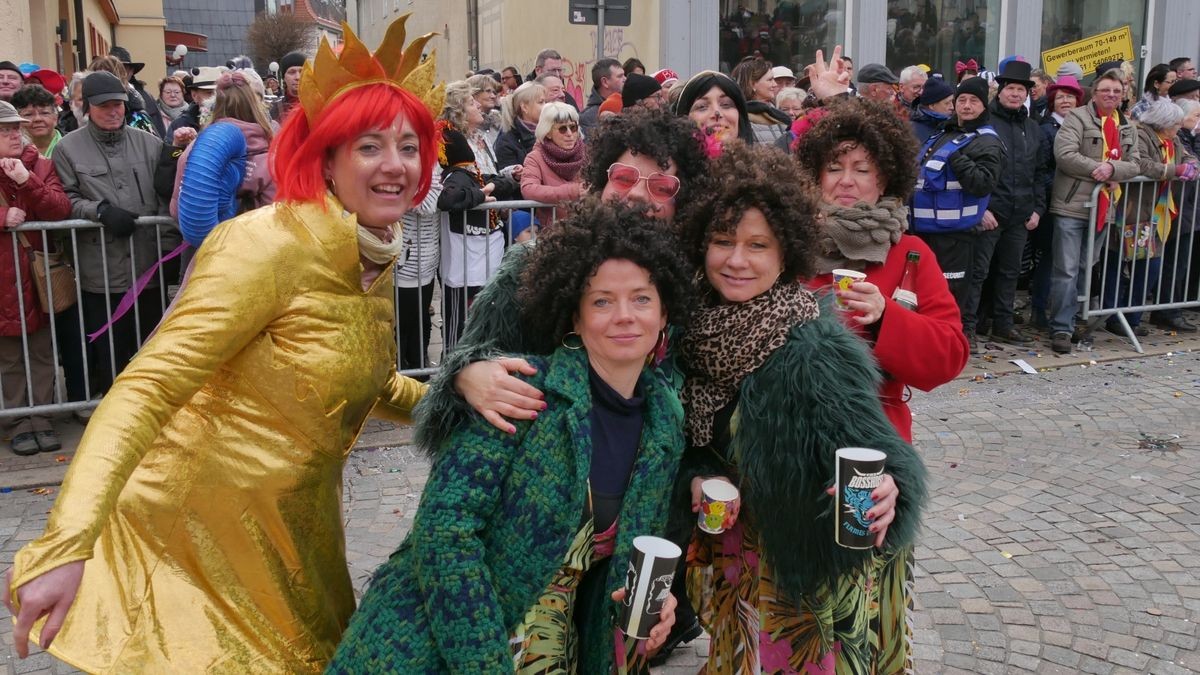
1068, 276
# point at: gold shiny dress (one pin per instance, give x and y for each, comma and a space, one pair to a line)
206, 493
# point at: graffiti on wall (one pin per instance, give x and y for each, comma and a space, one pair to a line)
577, 64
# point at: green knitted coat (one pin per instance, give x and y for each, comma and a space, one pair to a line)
496, 518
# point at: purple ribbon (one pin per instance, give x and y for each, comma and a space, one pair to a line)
132, 294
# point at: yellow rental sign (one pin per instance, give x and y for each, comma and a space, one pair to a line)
1113, 45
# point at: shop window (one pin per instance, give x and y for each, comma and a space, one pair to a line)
1065, 21
940, 34
785, 32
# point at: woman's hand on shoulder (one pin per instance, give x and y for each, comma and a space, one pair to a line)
494, 392
51, 593
884, 512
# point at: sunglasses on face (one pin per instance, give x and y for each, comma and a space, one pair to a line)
565, 128
624, 178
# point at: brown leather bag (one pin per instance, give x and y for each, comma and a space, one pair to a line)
58, 284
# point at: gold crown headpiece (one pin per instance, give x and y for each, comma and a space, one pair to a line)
329, 76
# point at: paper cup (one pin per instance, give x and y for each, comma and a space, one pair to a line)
647, 584
859, 472
842, 280
715, 504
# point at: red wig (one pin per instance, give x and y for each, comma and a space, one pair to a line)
299, 153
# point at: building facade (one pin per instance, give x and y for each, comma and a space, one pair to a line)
692, 35
67, 34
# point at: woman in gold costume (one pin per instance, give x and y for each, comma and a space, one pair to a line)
199, 527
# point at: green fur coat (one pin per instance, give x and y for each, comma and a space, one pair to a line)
815, 394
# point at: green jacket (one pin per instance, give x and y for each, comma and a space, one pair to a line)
495, 521
815, 394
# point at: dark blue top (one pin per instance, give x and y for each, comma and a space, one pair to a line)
616, 434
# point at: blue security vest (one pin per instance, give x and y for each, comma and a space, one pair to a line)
939, 202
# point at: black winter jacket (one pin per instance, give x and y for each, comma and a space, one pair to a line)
589, 119
977, 166
512, 146
461, 192
1020, 190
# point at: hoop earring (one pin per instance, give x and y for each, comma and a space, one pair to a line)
572, 344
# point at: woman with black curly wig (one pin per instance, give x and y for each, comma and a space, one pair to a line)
507, 561
864, 161
774, 384
644, 157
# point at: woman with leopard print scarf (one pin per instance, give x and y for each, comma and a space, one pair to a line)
774, 384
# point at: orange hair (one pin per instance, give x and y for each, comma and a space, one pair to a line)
298, 154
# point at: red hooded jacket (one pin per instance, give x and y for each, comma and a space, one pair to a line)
41, 198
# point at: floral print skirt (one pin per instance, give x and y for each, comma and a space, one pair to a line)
547, 641
860, 626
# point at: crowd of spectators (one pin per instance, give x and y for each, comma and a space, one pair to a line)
1005, 170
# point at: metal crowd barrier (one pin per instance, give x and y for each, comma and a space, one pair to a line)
1134, 270
70, 352
81, 370
444, 302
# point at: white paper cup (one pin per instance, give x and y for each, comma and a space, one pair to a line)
842, 280
647, 584
859, 472
715, 503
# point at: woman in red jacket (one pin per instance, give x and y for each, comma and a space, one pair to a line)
29, 190
863, 159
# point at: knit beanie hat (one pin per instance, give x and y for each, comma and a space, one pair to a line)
291, 60
9, 65
976, 86
1069, 68
458, 149
638, 87
935, 90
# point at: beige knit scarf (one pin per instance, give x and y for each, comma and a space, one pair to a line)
854, 236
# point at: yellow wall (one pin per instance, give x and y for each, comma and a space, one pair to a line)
511, 33
141, 32
525, 28
14, 31
428, 16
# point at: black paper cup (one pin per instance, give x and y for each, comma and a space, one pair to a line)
859, 472
647, 584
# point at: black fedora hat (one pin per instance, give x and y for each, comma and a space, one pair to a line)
1016, 71
123, 56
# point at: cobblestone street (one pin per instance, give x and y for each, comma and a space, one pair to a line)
1063, 535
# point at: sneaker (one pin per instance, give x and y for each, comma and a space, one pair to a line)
1060, 342
25, 444
1177, 324
679, 635
1012, 336
48, 440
